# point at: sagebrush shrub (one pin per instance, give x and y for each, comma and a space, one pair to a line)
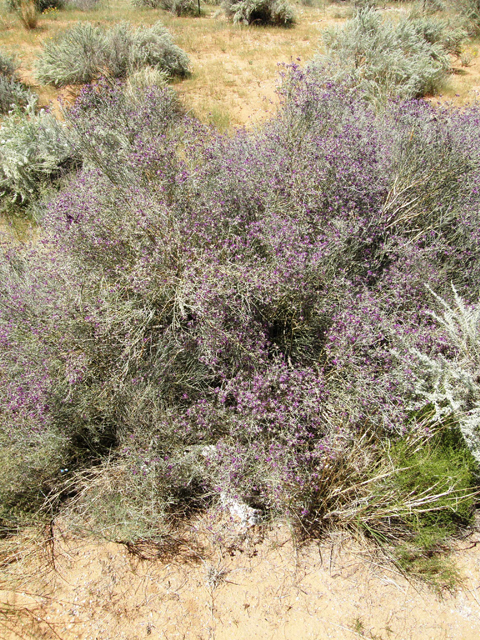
448, 381
235, 316
85, 51
34, 148
470, 10
407, 59
7, 66
275, 12
12, 92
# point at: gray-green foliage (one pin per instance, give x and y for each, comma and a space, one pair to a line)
450, 383
33, 147
471, 10
7, 65
12, 92
275, 12
406, 59
85, 51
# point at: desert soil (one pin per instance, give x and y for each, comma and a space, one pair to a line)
219, 582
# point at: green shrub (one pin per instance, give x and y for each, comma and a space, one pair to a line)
435, 484
275, 12
85, 52
408, 59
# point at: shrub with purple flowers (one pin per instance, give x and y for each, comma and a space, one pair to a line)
223, 316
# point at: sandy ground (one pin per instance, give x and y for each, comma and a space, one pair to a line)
217, 582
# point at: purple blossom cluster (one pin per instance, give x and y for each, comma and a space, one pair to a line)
223, 310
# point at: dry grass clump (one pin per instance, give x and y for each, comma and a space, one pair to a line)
27, 11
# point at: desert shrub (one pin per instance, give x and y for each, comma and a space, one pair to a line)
276, 12
12, 92
177, 7
76, 56
152, 4
34, 149
470, 10
408, 59
7, 66
449, 382
181, 7
106, 120
238, 317
84, 52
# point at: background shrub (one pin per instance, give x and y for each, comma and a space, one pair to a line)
386, 59
7, 66
153, 4
276, 12
40, 5
84, 5
177, 7
84, 52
